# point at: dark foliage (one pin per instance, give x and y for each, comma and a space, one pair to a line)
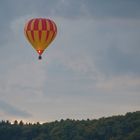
112, 128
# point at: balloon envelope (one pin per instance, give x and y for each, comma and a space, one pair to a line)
40, 32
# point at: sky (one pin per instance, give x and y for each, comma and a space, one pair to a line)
91, 70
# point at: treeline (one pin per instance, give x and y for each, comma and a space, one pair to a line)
121, 127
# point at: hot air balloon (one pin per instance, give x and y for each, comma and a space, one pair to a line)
40, 32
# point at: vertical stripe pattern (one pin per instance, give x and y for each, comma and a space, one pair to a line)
40, 32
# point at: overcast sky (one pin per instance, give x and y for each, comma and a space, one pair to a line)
91, 70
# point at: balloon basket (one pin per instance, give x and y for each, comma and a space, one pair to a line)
39, 57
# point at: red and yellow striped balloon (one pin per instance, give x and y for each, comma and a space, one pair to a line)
40, 32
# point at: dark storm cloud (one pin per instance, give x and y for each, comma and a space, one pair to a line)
11, 110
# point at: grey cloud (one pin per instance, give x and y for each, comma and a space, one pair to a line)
11, 110
10, 10
122, 62
116, 48
71, 8
113, 8
113, 47
114, 61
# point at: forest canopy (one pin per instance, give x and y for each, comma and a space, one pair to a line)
122, 127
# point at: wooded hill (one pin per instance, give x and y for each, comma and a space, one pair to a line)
121, 127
